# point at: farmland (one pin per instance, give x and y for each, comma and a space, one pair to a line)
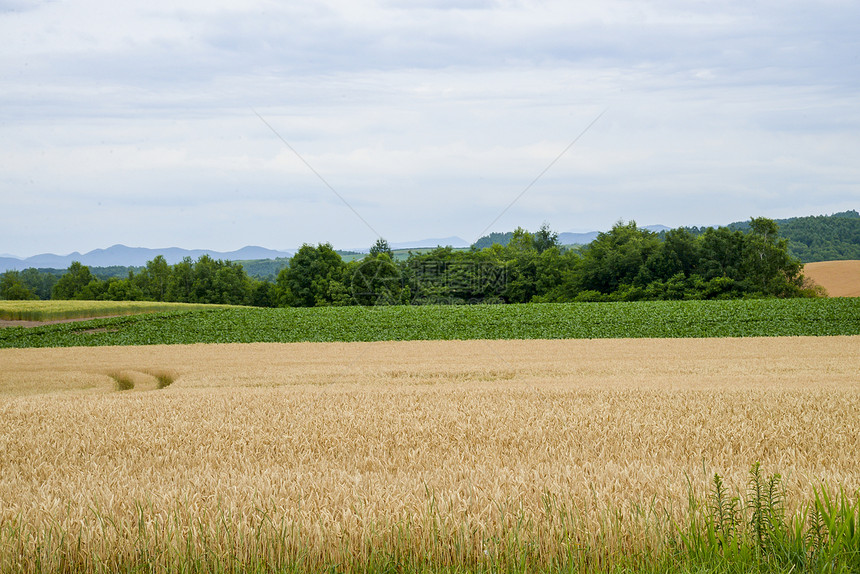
661, 319
515, 438
62, 310
839, 278
498, 455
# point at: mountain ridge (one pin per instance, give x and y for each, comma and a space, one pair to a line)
124, 256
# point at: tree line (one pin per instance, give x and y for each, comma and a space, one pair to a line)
624, 264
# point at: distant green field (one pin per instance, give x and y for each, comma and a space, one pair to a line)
655, 319
59, 310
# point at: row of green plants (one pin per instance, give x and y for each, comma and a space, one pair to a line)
726, 533
654, 319
624, 264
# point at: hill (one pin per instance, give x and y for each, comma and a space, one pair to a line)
839, 278
819, 237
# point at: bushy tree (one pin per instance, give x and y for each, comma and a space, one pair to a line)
376, 280
311, 276
75, 283
154, 279
616, 258
12, 287
767, 266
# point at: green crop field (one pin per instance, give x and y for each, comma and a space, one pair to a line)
739, 318
63, 310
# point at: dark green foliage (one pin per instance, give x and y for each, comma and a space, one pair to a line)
617, 258
819, 238
449, 276
654, 319
13, 287
41, 281
375, 280
314, 277
494, 238
206, 281
75, 284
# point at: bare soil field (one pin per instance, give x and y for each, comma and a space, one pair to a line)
839, 278
335, 444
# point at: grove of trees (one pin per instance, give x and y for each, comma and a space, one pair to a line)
624, 264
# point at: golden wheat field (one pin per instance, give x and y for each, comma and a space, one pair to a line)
336, 448
838, 278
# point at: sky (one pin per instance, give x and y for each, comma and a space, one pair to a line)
214, 125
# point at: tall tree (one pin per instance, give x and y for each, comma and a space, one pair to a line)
312, 274
74, 283
381, 246
154, 279
768, 267
376, 280
616, 257
12, 287
545, 238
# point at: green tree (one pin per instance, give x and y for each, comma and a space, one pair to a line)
203, 287
768, 268
154, 279
75, 283
12, 287
545, 238
678, 253
309, 277
722, 252
556, 271
381, 246
180, 283
232, 285
41, 282
264, 294
376, 280
616, 258
116, 289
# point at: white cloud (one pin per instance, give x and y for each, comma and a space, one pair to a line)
135, 122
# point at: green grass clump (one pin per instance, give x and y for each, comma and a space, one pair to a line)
756, 535
653, 319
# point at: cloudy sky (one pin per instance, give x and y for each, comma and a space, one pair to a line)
213, 124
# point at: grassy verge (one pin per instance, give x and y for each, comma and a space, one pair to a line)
60, 310
725, 533
665, 319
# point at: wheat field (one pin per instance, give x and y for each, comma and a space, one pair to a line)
452, 452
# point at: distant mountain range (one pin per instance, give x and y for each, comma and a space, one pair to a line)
120, 255
814, 238
123, 256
